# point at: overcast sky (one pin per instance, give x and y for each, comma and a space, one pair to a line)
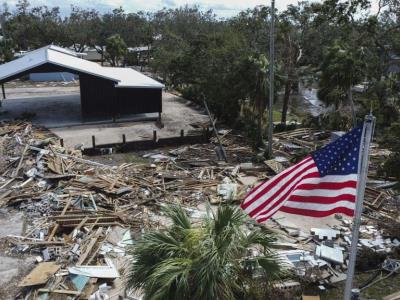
223, 8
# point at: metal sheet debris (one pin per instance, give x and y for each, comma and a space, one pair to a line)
107, 271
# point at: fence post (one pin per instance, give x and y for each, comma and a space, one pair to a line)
155, 136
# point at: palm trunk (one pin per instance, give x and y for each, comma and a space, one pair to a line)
286, 97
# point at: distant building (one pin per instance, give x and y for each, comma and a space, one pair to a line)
394, 64
92, 54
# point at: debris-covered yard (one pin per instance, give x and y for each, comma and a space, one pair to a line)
68, 220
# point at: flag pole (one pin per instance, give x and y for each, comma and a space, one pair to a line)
363, 160
271, 78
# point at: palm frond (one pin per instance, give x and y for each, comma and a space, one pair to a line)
227, 216
170, 278
178, 216
259, 237
272, 266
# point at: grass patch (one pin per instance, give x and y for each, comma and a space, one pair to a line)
377, 291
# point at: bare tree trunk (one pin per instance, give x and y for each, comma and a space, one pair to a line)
259, 121
353, 111
286, 97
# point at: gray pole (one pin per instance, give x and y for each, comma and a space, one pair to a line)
221, 150
363, 160
271, 78
353, 112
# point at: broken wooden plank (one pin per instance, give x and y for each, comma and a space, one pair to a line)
57, 291
92, 242
40, 274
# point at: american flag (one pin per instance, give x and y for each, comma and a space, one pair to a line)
322, 184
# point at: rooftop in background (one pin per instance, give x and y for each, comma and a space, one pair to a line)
139, 49
123, 77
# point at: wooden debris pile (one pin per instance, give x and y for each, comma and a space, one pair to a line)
80, 213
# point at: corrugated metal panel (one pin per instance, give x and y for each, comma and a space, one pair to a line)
52, 76
97, 96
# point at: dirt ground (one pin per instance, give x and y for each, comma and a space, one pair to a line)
12, 269
58, 108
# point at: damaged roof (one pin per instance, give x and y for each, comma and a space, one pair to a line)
123, 77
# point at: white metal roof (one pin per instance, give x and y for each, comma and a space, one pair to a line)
123, 77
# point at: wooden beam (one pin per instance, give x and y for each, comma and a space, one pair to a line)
90, 246
53, 232
67, 292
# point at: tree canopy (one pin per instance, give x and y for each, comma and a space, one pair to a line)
331, 45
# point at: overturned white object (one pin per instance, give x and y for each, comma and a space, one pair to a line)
334, 255
227, 189
107, 271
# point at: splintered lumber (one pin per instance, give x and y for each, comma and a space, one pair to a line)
394, 296
56, 291
375, 198
16, 171
54, 230
79, 226
45, 243
78, 159
40, 274
89, 247
75, 220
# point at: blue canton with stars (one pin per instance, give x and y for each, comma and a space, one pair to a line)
341, 156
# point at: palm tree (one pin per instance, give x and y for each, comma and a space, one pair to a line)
341, 70
259, 96
208, 261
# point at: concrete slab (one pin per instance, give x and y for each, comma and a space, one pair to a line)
59, 110
306, 223
11, 222
12, 270
54, 107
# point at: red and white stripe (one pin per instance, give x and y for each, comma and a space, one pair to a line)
300, 190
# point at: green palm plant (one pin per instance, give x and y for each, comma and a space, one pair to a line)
259, 96
342, 68
209, 261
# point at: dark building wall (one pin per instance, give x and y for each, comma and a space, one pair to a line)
101, 97
97, 96
139, 100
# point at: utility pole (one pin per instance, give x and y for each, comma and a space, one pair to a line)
271, 78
